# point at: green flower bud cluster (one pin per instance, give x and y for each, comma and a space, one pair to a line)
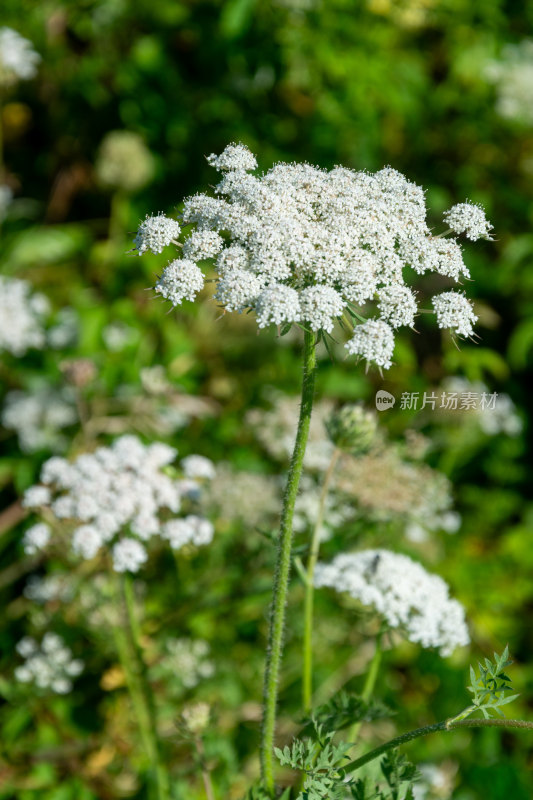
352, 429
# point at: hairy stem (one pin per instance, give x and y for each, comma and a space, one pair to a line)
283, 564
307, 682
445, 725
143, 695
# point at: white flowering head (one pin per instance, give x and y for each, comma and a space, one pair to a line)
128, 555
235, 157
181, 280
39, 417
156, 233
120, 497
22, 316
48, 665
469, 219
373, 340
455, 312
36, 538
18, 59
188, 659
403, 593
303, 245
198, 467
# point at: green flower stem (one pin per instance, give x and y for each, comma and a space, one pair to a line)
118, 217
370, 682
206, 775
445, 725
307, 683
283, 564
142, 694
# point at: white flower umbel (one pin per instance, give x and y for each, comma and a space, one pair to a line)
234, 157
22, 314
120, 496
38, 417
181, 280
156, 233
36, 538
469, 219
374, 341
403, 593
299, 244
128, 555
44, 589
189, 660
18, 59
397, 305
49, 665
198, 467
189, 530
454, 311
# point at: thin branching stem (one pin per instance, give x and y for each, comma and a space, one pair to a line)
283, 564
445, 725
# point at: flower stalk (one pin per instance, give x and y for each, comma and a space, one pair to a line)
307, 682
283, 564
130, 653
370, 682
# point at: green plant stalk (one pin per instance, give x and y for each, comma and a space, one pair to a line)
206, 776
118, 217
125, 656
307, 681
370, 683
143, 691
283, 564
445, 725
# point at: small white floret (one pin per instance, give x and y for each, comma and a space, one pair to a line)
155, 233
469, 219
454, 311
128, 555
374, 341
181, 280
233, 157
36, 538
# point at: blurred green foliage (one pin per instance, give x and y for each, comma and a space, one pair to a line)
363, 83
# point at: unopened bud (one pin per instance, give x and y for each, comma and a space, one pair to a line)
124, 162
352, 429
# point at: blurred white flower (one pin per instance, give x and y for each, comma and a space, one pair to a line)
49, 665
22, 314
512, 75
18, 59
403, 593
39, 416
116, 496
